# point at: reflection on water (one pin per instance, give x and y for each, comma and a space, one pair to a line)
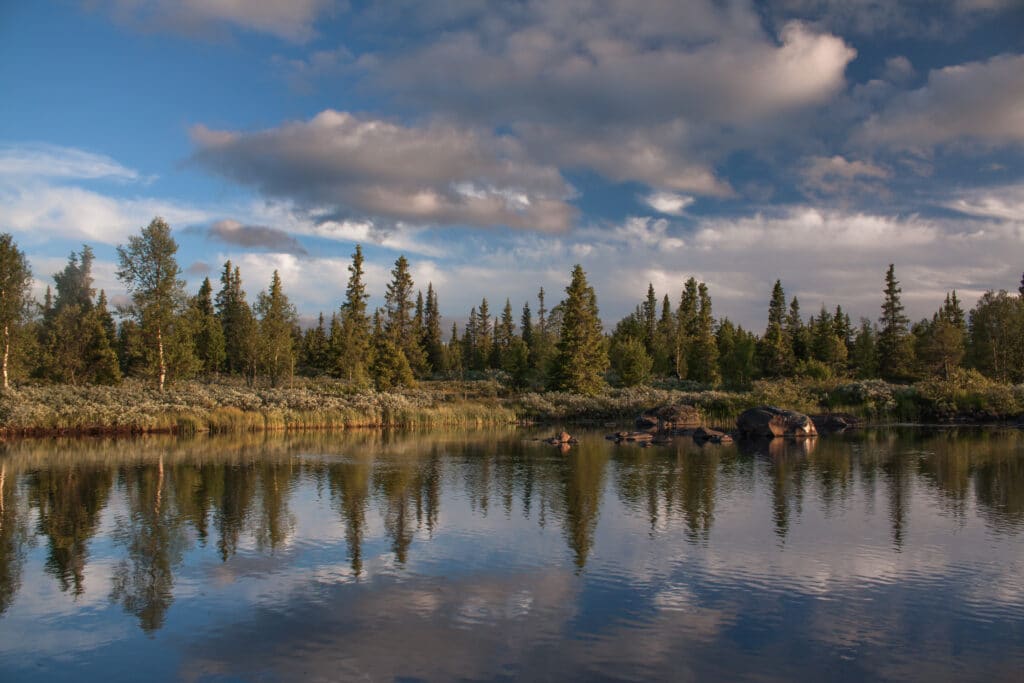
882, 554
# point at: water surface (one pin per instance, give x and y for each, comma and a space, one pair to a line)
882, 555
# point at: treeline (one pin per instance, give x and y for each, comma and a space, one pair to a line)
163, 333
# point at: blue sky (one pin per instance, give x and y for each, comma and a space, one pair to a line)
497, 144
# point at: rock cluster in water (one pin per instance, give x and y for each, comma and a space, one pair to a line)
769, 422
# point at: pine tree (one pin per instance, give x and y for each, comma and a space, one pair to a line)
277, 320
315, 349
15, 295
797, 333
432, 343
390, 367
776, 350
665, 339
209, 334
504, 334
237, 323
894, 349
650, 318
398, 309
482, 340
702, 363
526, 327
350, 339
737, 355
454, 366
581, 359
542, 348
469, 347
864, 352
686, 328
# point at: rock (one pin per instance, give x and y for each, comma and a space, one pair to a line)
647, 421
835, 422
705, 434
562, 438
769, 421
673, 417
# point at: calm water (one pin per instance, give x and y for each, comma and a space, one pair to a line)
884, 555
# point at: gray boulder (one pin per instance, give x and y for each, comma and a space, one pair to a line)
769, 421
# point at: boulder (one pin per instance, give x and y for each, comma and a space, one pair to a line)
835, 422
647, 421
670, 417
706, 434
769, 421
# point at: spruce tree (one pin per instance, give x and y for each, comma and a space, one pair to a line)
237, 323
864, 352
650, 318
67, 331
15, 295
504, 334
432, 343
581, 358
454, 355
398, 310
209, 334
482, 340
315, 349
776, 350
702, 363
277, 321
526, 327
665, 339
350, 338
797, 333
894, 349
686, 328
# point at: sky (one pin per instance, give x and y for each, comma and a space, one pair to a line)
498, 144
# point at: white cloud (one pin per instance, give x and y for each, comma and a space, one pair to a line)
437, 174
976, 101
1005, 203
292, 20
668, 203
39, 211
23, 162
838, 175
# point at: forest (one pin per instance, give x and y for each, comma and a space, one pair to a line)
165, 334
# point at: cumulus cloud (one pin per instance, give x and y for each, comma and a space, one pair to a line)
651, 92
838, 175
930, 18
259, 236
980, 101
41, 211
1003, 203
668, 203
363, 167
293, 20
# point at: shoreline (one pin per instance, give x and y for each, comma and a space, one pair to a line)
216, 407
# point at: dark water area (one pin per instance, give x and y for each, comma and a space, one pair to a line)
879, 555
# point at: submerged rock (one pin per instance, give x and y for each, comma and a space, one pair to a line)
562, 438
706, 434
769, 421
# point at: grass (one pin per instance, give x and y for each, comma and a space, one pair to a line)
228, 407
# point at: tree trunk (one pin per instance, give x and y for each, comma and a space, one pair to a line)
160, 355
7, 355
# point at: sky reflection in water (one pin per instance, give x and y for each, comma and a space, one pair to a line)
484, 556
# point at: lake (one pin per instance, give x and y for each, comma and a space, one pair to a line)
876, 555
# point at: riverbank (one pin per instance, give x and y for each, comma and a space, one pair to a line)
220, 407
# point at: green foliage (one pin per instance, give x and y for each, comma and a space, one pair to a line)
894, 345
350, 336
15, 288
209, 334
390, 368
581, 359
277, 322
630, 361
398, 319
996, 336
776, 349
238, 325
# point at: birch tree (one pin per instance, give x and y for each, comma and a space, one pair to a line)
15, 293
